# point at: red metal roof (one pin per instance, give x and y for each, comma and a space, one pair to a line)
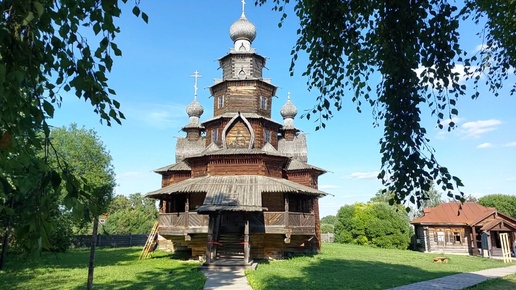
449, 213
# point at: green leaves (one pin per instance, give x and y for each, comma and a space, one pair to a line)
413, 50
44, 53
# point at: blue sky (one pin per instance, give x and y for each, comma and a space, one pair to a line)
153, 84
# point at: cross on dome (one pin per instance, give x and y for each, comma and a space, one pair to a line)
196, 75
243, 8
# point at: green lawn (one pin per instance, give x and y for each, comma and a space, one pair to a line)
117, 268
506, 283
360, 267
337, 267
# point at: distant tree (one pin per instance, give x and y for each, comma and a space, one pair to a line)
375, 223
502, 202
135, 214
329, 219
85, 156
344, 224
470, 198
327, 228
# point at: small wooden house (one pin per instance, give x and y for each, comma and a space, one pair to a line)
241, 184
473, 229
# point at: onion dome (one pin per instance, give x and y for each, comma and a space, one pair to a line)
288, 111
242, 29
194, 109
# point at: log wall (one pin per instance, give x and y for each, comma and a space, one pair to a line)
174, 177
447, 241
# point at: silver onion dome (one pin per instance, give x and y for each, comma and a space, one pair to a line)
288, 111
194, 109
242, 29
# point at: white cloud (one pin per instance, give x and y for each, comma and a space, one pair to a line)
485, 145
328, 186
510, 144
442, 132
511, 179
477, 128
364, 175
158, 115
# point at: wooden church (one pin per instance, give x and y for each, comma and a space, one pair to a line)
241, 186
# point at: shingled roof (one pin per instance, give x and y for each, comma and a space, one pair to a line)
234, 192
295, 164
180, 166
450, 214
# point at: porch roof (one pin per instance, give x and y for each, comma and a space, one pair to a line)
504, 223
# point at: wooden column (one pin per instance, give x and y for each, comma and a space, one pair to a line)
317, 224
286, 211
247, 246
187, 209
474, 240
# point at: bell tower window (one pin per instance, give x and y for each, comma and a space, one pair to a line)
215, 135
263, 103
220, 102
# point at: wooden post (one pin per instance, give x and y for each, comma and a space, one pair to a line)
209, 244
247, 246
474, 240
187, 209
285, 222
317, 225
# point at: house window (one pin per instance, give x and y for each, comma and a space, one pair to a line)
263, 103
215, 135
220, 102
457, 237
267, 136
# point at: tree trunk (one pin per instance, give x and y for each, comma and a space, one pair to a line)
5, 238
91, 264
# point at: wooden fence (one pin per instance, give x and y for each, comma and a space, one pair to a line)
110, 240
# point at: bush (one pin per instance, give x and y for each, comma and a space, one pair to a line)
376, 223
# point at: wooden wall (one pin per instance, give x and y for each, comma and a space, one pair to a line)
449, 245
242, 96
169, 178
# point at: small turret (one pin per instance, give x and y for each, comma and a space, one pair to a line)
289, 112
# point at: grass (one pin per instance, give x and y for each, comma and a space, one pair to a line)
117, 268
337, 267
506, 283
360, 267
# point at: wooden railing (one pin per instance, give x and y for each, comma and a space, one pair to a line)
183, 220
289, 219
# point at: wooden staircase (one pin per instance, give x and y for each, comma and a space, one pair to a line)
151, 244
230, 247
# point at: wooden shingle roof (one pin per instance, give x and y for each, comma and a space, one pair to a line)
449, 214
234, 192
247, 184
296, 164
180, 166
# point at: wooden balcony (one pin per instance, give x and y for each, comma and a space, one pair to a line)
181, 223
290, 222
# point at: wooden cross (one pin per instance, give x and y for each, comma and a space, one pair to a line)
196, 75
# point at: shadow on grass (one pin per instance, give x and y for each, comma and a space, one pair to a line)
115, 268
328, 273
